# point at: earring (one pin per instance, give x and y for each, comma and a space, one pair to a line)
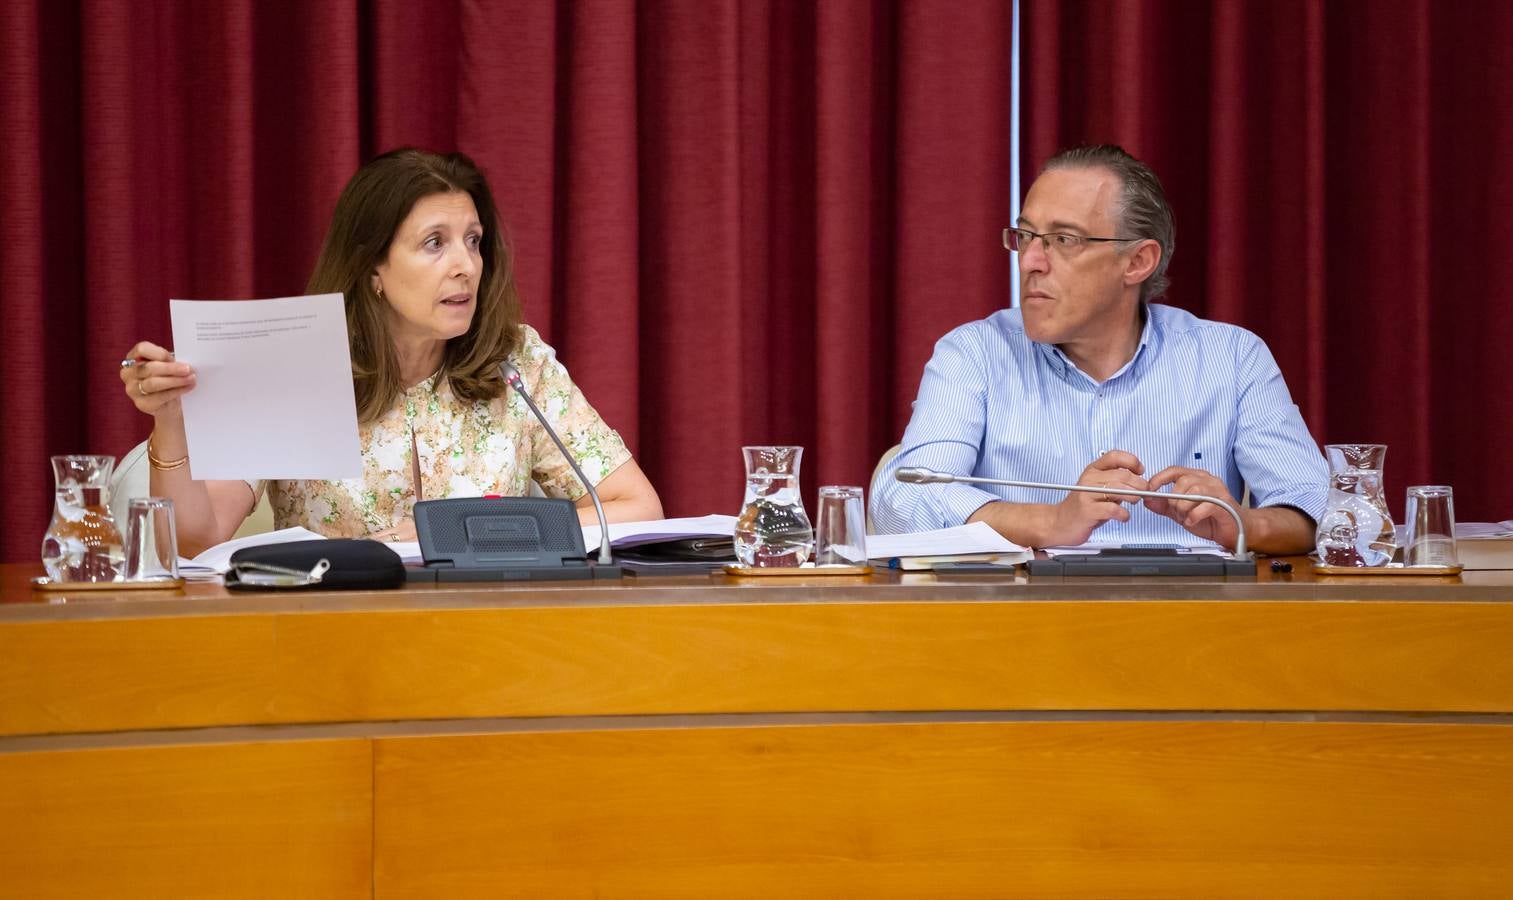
379, 288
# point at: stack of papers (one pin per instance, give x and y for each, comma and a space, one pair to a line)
973, 542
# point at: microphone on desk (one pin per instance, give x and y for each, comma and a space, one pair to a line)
512, 378
918, 475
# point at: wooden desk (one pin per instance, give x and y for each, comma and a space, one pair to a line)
892, 737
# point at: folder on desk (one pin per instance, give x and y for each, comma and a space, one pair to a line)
679, 556
1485, 554
929, 563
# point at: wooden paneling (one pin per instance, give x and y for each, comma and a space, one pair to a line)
183, 671
289, 819
118, 674
1044, 809
1157, 655
1107, 804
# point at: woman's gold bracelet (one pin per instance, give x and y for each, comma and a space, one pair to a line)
165, 465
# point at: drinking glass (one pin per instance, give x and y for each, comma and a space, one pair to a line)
1430, 538
152, 545
840, 531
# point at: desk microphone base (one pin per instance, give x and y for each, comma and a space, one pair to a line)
1120, 562
435, 574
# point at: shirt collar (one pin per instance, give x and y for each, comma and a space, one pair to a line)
1145, 350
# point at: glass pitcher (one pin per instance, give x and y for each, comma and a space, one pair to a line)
1356, 528
773, 529
82, 543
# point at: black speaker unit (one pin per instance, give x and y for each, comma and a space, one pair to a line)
503, 539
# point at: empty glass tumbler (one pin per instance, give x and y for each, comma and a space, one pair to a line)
1430, 519
840, 530
152, 545
773, 530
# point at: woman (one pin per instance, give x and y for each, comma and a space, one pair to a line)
416, 248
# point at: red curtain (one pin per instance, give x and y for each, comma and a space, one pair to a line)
738, 222
748, 222
1342, 174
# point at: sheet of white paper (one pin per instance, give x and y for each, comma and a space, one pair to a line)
1481, 531
631, 534
409, 551
218, 558
273, 392
1467, 531
973, 537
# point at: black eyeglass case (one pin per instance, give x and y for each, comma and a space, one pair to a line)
351, 564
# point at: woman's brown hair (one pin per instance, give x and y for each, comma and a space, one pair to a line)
370, 210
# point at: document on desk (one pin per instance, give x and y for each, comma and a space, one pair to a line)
273, 393
972, 538
632, 534
214, 563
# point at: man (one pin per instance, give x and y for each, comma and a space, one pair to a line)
1089, 381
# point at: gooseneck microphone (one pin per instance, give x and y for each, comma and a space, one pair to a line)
917, 475
512, 377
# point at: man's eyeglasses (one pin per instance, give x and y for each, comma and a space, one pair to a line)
1058, 242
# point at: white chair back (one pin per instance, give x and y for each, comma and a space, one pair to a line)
877, 470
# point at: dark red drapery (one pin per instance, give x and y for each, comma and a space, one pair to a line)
748, 222
738, 222
1341, 174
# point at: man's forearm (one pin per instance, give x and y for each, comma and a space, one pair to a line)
1026, 524
1278, 530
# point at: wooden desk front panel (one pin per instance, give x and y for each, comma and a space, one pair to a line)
1032, 809
278, 819
304, 667
1107, 806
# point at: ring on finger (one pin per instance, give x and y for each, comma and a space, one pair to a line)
142, 387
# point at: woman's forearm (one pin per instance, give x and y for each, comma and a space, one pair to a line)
627, 496
204, 511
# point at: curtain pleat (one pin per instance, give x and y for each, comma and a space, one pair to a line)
596, 269
37, 193
853, 233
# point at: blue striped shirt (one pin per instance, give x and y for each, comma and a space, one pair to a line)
1200, 394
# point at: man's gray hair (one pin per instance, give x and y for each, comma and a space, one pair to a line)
1142, 211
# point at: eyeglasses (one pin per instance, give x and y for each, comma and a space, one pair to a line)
1063, 244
